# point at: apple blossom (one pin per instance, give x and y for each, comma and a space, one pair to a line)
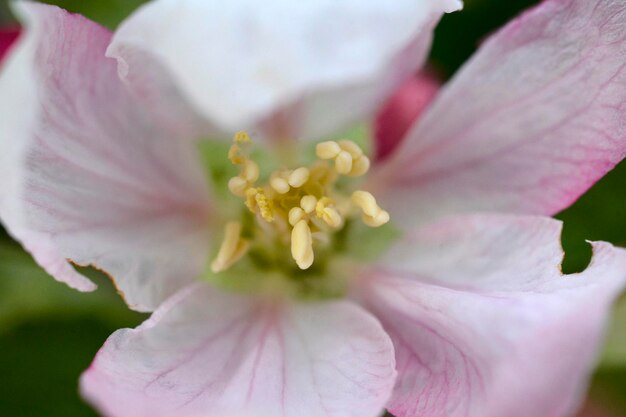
272, 290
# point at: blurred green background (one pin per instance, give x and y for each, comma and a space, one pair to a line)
49, 333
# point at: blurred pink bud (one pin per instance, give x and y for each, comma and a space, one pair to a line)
402, 110
7, 37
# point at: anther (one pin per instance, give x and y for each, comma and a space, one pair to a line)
279, 184
376, 221
324, 210
232, 249
241, 137
321, 205
257, 202
366, 202
343, 163
332, 217
265, 206
308, 203
298, 177
251, 198
238, 186
302, 245
352, 148
234, 155
360, 166
327, 150
295, 215
373, 215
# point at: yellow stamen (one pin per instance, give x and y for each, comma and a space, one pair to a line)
232, 249
373, 215
366, 202
343, 163
242, 137
308, 203
360, 166
234, 155
265, 206
376, 221
321, 205
298, 177
352, 148
279, 184
251, 199
332, 217
327, 150
249, 172
295, 215
348, 156
301, 204
302, 245
238, 186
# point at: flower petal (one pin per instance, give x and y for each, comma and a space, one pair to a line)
484, 323
532, 121
212, 354
294, 68
85, 174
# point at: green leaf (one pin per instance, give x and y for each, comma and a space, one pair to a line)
599, 215
40, 365
614, 355
28, 293
106, 12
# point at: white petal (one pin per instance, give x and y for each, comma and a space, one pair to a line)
86, 175
484, 323
293, 68
534, 119
211, 354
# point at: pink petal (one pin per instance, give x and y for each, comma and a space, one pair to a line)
402, 110
484, 323
212, 354
288, 69
86, 175
532, 121
7, 38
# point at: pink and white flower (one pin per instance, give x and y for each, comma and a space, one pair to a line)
467, 314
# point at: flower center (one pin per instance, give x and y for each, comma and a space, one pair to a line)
299, 208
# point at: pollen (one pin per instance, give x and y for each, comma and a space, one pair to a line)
301, 207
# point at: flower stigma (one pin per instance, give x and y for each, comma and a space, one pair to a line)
298, 210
